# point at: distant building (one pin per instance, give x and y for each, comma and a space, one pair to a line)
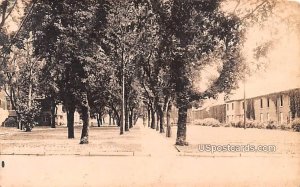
217, 112
280, 107
271, 107
3, 107
44, 119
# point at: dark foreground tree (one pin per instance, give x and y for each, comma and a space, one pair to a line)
66, 36
197, 34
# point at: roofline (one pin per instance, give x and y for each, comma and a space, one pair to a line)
281, 92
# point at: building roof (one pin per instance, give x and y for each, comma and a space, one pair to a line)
265, 95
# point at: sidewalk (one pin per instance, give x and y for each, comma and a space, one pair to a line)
156, 144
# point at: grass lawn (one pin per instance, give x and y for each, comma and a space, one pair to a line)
286, 142
44, 140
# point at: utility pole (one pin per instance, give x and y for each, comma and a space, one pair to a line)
123, 100
244, 102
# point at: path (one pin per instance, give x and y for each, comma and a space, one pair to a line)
156, 144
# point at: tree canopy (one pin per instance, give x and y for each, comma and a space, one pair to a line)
127, 58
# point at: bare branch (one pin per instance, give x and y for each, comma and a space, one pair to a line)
254, 10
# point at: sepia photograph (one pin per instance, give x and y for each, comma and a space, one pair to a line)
149, 93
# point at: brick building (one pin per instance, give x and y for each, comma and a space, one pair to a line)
280, 107
270, 107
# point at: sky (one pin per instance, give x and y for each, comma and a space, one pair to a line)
282, 64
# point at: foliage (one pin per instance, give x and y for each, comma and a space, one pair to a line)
207, 122
23, 72
296, 125
10, 122
155, 48
295, 102
250, 111
271, 125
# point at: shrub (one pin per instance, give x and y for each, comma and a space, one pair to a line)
271, 125
207, 122
239, 124
227, 125
283, 127
10, 122
296, 125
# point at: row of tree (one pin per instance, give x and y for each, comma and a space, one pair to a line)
125, 58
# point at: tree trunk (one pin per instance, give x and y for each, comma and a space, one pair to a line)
135, 118
162, 121
131, 118
86, 120
152, 119
109, 115
120, 124
181, 126
126, 117
98, 120
70, 121
144, 118
53, 113
157, 120
168, 131
149, 117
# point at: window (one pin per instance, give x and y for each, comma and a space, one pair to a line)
261, 117
227, 106
243, 103
45, 119
268, 102
281, 117
281, 100
232, 106
261, 103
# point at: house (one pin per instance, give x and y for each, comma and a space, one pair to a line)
3, 107
44, 118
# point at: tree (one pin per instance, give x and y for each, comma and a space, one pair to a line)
64, 38
126, 32
23, 72
9, 10
195, 32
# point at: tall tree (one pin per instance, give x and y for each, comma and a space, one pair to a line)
64, 37
23, 72
126, 32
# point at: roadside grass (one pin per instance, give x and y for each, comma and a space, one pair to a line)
287, 142
44, 140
